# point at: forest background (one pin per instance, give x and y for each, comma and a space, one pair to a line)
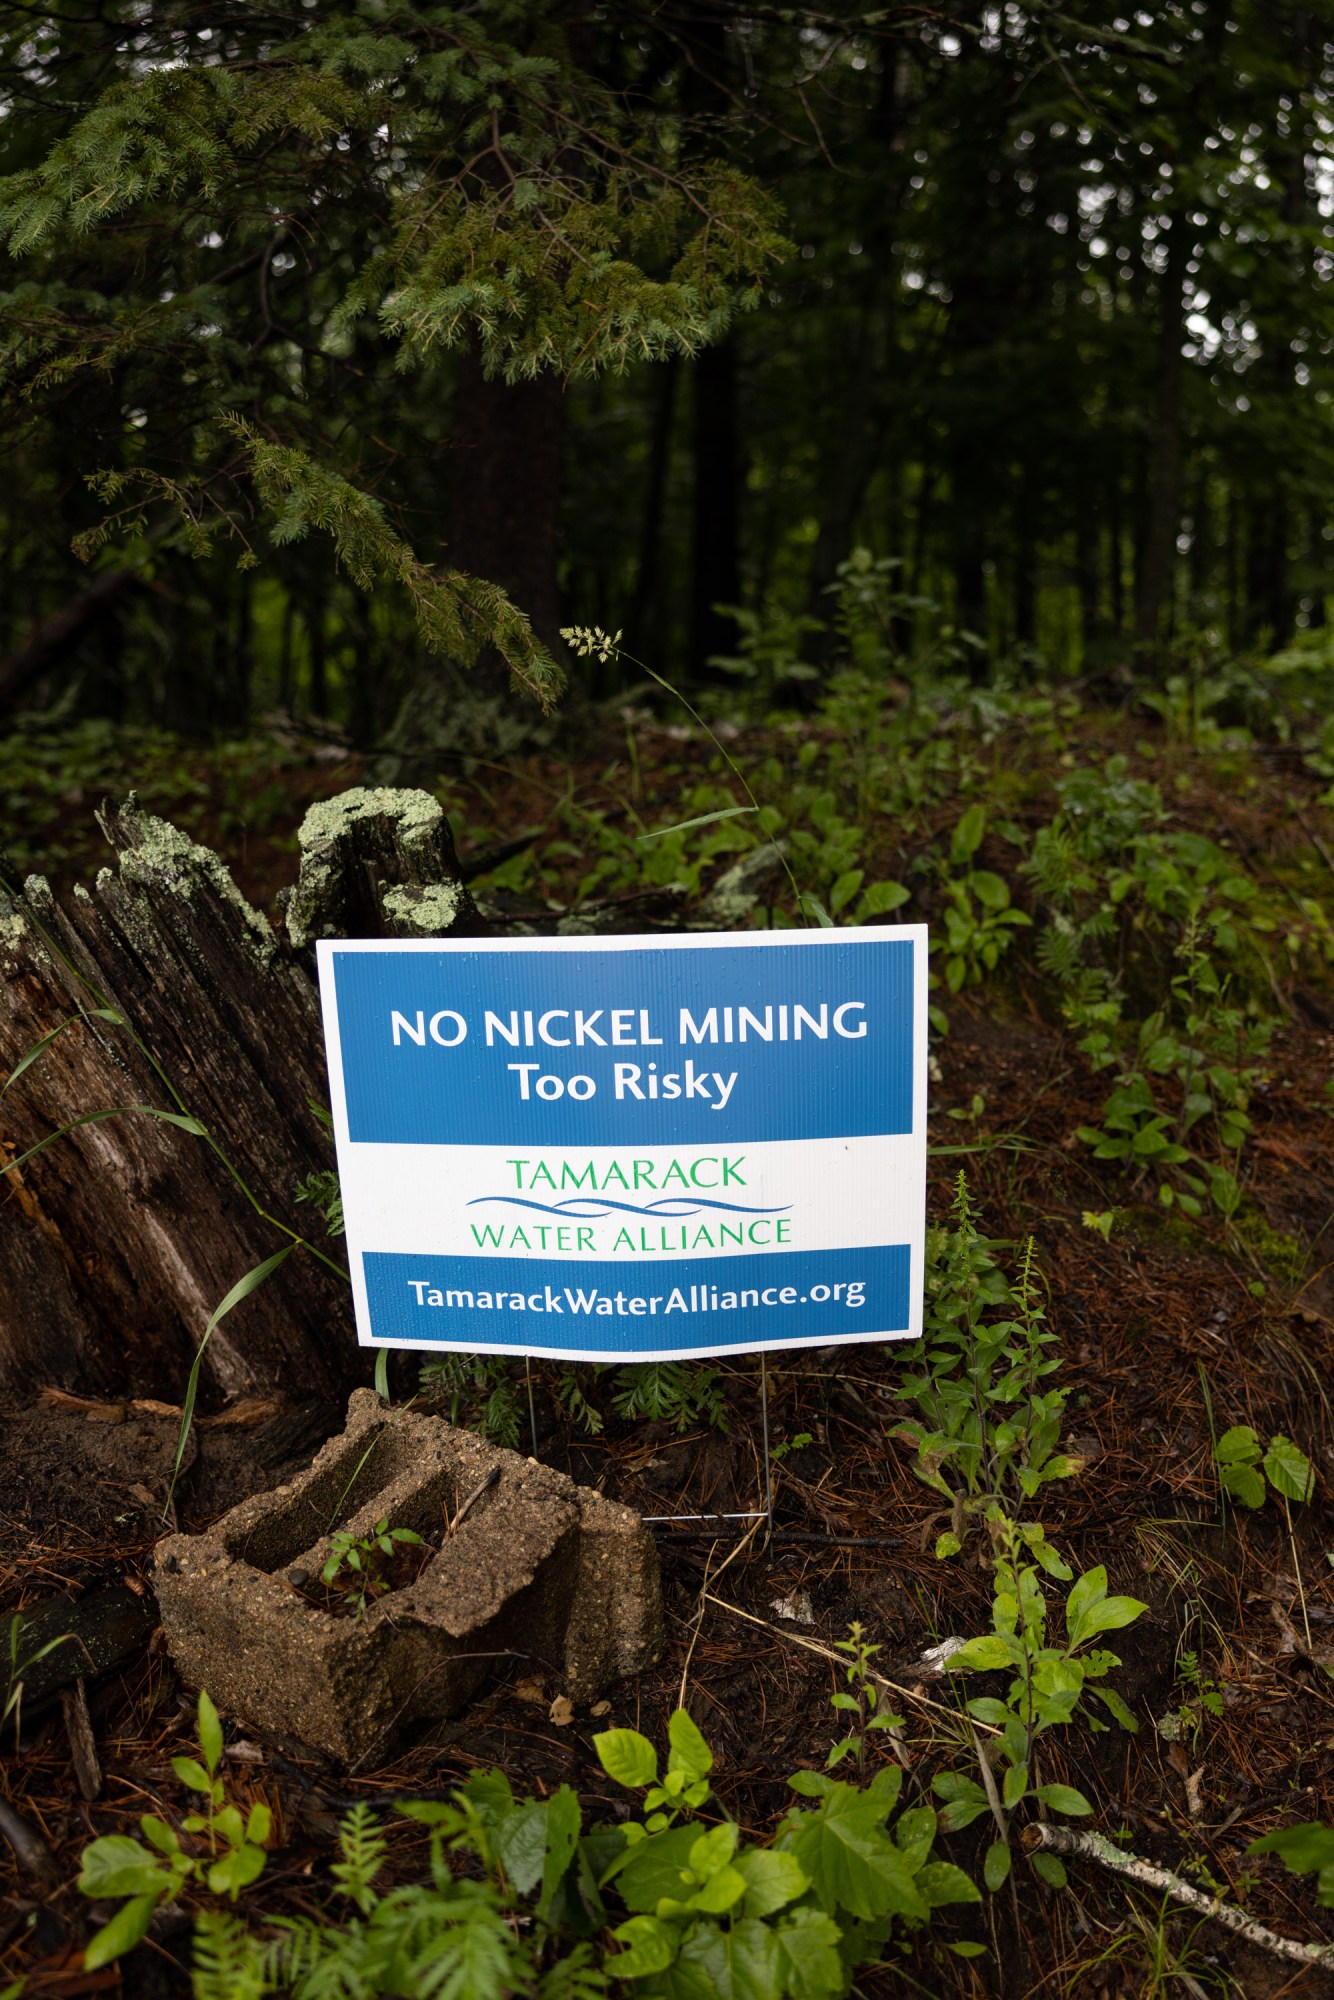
319, 320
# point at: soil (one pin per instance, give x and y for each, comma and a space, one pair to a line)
1146, 1318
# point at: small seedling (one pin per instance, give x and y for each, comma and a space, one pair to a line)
861, 1699
359, 1561
120, 1868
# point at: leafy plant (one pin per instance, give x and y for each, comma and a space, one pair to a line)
1049, 1686
324, 1193
987, 1426
356, 1563
20, 1668
1244, 1465
980, 918
861, 1698
1307, 1850
691, 1907
223, 1852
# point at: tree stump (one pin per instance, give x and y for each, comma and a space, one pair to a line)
119, 1239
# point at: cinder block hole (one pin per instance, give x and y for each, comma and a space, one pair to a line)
383, 1473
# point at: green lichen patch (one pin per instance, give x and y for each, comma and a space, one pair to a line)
430, 911
153, 851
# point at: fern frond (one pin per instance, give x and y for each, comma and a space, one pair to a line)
228, 1963
362, 1846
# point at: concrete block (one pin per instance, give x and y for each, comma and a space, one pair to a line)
537, 1567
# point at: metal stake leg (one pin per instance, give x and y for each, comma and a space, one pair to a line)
768, 1464
532, 1413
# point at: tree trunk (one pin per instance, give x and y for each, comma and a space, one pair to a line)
716, 569
644, 628
1154, 581
119, 1239
505, 482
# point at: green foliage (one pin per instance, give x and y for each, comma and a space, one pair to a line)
1050, 1686
517, 1893
222, 1854
1244, 1465
980, 919
1306, 1850
1132, 906
355, 1564
447, 183
861, 1698
987, 1428
680, 1393
323, 1192
19, 1664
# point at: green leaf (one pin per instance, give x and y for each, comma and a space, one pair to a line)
985, 1654
1064, 1799
703, 819
712, 1850
1238, 1446
852, 1865
772, 1879
991, 891
117, 1865
1288, 1470
743, 1963
1015, 1786
1304, 1849
967, 835
236, 1871
122, 1934
192, 1773
521, 1845
947, 1545
996, 1866
650, 1946
1051, 1869
687, 1752
382, 1374
882, 897
210, 1732
627, 1757
940, 1882
845, 888
564, 1821
240, 1290
808, 1947
1243, 1484
1112, 1613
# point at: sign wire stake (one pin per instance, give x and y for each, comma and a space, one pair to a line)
532, 1413
768, 1464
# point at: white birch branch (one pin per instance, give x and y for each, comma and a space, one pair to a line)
1097, 1847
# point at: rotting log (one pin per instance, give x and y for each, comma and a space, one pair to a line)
118, 1240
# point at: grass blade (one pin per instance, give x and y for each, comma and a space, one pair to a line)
240, 1290
39, 1048
704, 819
176, 1118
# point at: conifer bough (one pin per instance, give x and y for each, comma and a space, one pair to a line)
261, 217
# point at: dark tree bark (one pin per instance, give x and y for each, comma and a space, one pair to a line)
644, 628
505, 483
716, 566
1154, 579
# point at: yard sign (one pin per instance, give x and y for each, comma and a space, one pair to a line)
631, 1148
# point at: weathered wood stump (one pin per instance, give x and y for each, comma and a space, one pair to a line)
120, 1238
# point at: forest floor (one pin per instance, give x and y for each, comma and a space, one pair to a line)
1171, 1328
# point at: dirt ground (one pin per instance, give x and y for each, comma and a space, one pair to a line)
1144, 1318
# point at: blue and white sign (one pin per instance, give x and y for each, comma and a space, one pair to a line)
632, 1148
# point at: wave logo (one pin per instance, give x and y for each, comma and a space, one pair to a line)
586, 1208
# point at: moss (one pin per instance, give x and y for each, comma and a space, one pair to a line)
1163, 1226
1284, 1256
